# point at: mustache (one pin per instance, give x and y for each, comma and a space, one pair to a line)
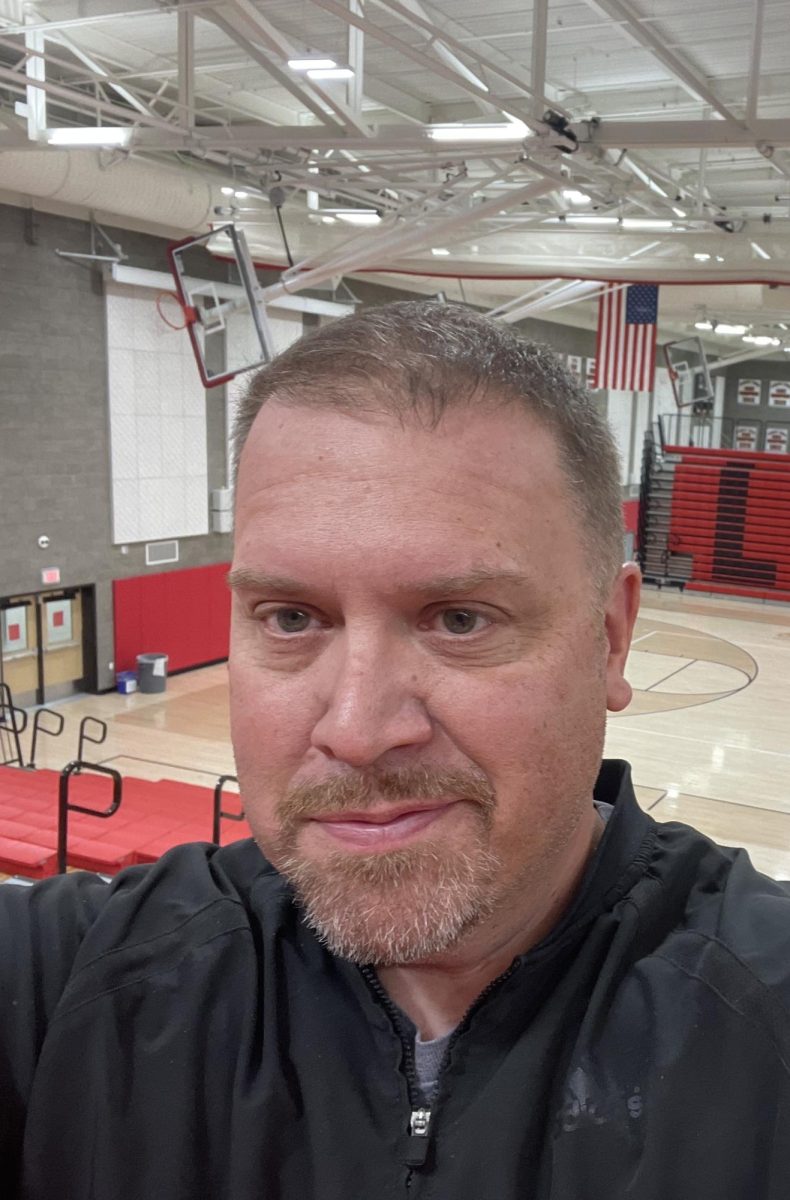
356, 792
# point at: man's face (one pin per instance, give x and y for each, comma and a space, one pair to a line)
419, 670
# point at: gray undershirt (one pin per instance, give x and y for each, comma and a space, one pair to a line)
428, 1055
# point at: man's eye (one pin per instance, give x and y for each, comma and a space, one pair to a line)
291, 620
462, 620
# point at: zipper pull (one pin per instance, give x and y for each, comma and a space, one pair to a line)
419, 1123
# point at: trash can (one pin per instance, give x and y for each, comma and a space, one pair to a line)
152, 672
126, 682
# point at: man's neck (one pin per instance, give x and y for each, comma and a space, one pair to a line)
436, 994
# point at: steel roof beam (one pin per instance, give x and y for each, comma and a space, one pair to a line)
483, 64
280, 75
753, 88
630, 22
436, 66
261, 30
540, 37
186, 68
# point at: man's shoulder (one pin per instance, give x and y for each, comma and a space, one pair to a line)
733, 935
82, 925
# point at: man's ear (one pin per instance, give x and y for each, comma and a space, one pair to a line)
620, 615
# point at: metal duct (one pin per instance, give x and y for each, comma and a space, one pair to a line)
127, 187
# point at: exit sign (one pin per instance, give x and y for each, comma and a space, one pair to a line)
50, 575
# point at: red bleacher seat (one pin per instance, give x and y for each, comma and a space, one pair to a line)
25, 858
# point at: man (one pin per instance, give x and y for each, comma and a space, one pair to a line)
464, 969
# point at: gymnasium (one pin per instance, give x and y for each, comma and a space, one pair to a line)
186, 189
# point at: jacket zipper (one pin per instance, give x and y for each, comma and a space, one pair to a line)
420, 1117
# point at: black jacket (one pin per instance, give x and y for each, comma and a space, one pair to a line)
180, 1034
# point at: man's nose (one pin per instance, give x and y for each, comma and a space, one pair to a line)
373, 702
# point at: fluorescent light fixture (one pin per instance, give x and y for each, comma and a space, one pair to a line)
241, 195
439, 251
91, 135
583, 219
761, 339
573, 196
311, 64
329, 220
679, 212
781, 325
357, 216
646, 223
513, 131
330, 73
705, 326
719, 258
227, 191
730, 330
786, 349
702, 257
759, 250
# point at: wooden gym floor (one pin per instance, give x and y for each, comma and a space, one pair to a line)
708, 732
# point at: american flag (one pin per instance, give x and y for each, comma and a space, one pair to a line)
626, 350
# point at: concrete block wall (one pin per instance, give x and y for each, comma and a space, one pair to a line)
54, 443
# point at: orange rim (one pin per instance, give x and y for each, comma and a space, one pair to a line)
171, 296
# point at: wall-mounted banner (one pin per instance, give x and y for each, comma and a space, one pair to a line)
776, 439
58, 621
749, 391
14, 629
746, 437
575, 365
779, 393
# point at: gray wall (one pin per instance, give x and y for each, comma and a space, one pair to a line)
54, 434
755, 369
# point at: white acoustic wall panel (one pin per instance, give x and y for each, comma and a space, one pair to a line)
157, 422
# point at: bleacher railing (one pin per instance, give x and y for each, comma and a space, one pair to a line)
219, 814
65, 806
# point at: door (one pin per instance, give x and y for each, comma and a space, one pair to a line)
43, 648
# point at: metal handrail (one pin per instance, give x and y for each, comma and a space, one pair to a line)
86, 737
218, 813
9, 713
38, 727
65, 807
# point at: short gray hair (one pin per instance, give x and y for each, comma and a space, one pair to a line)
419, 358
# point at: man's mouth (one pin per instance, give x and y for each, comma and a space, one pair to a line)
382, 827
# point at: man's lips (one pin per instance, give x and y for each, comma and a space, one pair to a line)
384, 827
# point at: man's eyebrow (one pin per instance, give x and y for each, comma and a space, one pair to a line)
246, 578
241, 578
459, 584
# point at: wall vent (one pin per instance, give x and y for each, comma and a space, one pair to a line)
157, 553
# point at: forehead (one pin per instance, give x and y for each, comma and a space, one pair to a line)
482, 480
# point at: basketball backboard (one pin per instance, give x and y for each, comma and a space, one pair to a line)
689, 374
222, 305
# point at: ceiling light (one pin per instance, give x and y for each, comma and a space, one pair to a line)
761, 339
358, 216
781, 325
759, 250
330, 73
582, 219
719, 258
705, 326
702, 257
730, 330
646, 223
91, 135
311, 64
329, 220
511, 132
241, 195
227, 191
439, 251
575, 197
679, 212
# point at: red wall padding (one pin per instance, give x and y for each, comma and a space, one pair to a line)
185, 614
731, 513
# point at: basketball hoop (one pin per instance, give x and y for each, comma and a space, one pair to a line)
170, 308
